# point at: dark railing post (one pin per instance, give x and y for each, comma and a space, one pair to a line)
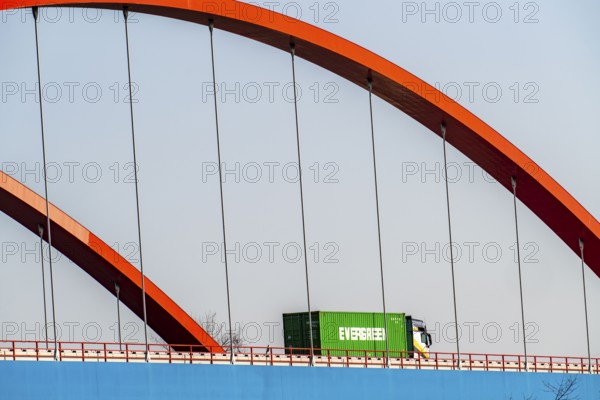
347, 359
82, 352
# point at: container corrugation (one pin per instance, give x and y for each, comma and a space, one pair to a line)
334, 333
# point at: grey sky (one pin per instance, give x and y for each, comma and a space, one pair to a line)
552, 64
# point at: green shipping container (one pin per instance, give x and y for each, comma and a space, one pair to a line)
336, 332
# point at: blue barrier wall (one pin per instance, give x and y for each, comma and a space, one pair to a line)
115, 381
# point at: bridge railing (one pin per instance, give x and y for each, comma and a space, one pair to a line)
279, 356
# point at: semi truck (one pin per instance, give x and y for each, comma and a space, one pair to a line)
356, 334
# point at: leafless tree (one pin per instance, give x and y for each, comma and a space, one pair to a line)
525, 397
565, 390
219, 332
157, 340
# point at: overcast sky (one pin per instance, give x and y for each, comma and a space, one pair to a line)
529, 69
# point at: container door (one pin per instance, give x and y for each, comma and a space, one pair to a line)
296, 332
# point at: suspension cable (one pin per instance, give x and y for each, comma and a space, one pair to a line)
443, 128
48, 227
587, 329
514, 187
117, 292
214, 78
310, 325
41, 232
137, 195
385, 325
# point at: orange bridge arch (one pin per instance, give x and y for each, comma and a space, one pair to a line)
421, 101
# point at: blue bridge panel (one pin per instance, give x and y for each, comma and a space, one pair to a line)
115, 381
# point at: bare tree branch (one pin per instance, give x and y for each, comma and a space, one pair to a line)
565, 390
219, 332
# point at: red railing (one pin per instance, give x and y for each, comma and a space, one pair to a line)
274, 356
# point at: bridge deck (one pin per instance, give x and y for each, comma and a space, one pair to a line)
271, 356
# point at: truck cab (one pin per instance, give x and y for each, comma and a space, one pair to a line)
421, 339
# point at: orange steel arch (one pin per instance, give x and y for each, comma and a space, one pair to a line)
421, 101
103, 264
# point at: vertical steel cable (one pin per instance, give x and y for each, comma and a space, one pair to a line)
214, 77
37, 50
41, 231
443, 128
135, 176
310, 325
118, 291
513, 181
587, 329
387, 345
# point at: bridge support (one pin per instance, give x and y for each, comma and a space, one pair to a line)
587, 328
135, 177
43, 137
513, 181
214, 82
310, 324
41, 231
443, 129
387, 343
117, 293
